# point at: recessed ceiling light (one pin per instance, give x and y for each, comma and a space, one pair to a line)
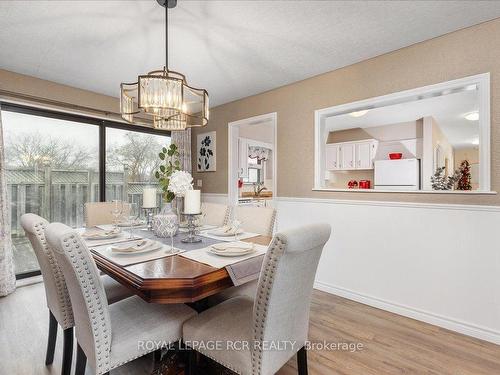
472, 116
359, 113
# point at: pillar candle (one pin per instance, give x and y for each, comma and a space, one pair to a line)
149, 197
192, 202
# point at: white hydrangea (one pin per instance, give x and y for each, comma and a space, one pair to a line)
180, 182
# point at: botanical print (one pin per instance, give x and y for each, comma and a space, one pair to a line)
206, 152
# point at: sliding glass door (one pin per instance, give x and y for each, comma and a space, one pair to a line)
52, 170
53, 164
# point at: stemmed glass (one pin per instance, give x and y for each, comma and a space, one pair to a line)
171, 229
117, 211
133, 217
236, 228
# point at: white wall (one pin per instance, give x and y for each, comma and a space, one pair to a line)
435, 263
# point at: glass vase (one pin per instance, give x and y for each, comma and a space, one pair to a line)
164, 220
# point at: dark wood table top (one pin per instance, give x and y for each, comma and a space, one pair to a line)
173, 279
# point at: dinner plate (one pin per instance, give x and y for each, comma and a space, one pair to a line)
153, 247
231, 253
133, 224
222, 233
101, 236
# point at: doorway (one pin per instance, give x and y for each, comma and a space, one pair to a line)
252, 160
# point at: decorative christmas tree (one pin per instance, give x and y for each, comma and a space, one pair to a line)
442, 182
464, 176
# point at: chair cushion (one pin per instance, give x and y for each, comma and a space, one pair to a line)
226, 323
246, 290
134, 321
114, 290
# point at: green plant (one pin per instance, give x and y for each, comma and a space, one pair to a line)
171, 163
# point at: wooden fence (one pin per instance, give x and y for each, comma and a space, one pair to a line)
60, 195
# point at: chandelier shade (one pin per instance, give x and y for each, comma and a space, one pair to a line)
165, 97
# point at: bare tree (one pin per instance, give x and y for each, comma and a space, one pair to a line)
139, 154
29, 150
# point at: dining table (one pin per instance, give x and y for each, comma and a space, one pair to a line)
174, 278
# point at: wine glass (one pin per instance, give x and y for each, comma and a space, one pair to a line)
133, 216
171, 229
116, 211
236, 227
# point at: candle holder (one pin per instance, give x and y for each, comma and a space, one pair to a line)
191, 237
149, 212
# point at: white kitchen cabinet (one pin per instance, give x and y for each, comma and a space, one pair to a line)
347, 151
365, 151
350, 155
243, 157
332, 157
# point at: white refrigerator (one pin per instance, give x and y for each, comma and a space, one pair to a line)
402, 174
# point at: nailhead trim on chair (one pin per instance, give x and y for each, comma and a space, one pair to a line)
62, 290
274, 253
95, 303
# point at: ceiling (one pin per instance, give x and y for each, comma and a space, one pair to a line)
232, 48
448, 111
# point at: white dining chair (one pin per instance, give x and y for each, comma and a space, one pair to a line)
255, 219
56, 293
99, 213
215, 214
279, 313
258, 220
109, 336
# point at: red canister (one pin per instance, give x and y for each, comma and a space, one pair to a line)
364, 184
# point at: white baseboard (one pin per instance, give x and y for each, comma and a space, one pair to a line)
424, 316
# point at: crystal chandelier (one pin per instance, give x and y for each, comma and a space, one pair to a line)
164, 95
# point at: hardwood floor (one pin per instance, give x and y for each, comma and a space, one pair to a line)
391, 344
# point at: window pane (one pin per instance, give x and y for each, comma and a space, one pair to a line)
131, 160
52, 170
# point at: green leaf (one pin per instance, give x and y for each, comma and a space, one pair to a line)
162, 156
157, 174
162, 168
164, 150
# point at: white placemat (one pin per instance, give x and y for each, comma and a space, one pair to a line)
242, 236
128, 259
204, 256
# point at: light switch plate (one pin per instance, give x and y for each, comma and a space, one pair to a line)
199, 183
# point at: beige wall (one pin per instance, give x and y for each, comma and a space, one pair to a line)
463, 53
27, 85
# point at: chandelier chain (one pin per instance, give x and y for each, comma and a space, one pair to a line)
166, 37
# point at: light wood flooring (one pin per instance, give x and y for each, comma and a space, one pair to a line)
392, 344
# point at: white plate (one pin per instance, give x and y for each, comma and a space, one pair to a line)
221, 233
101, 236
134, 224
153, 247
232, 253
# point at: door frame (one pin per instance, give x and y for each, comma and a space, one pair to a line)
232, 165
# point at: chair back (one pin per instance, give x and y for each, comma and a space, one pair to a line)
56, 293
281, 307
215, 214
99, 213
88, 298
256, 219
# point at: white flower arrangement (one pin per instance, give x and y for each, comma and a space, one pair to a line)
180, 182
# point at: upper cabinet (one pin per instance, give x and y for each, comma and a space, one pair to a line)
243, 157
351, 155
